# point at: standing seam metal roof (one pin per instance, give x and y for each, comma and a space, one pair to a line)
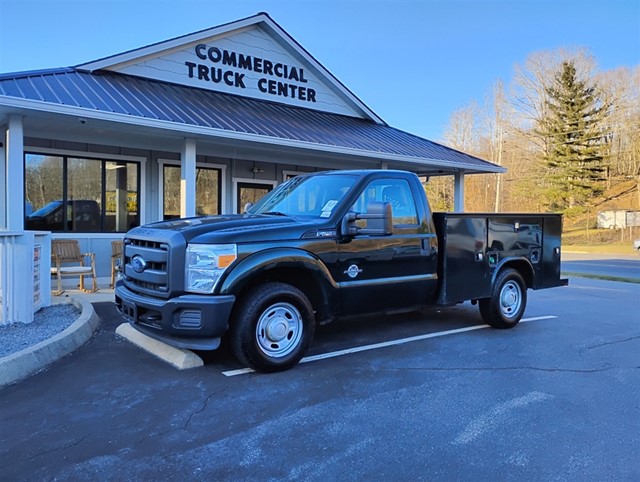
138, 97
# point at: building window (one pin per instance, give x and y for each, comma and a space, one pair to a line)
208, 196
74, 194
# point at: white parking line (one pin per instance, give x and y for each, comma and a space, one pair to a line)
595, 288
374, 346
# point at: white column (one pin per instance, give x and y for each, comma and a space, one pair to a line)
231, 192
15, 174
4, 186
458, 192
188, 179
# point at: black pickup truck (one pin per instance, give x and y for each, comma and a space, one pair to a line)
325, 246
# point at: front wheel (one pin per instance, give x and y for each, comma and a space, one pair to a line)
272, 327
508, 300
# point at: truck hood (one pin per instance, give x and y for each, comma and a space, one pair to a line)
233, 228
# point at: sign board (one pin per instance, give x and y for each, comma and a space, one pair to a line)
37, 273
249, 63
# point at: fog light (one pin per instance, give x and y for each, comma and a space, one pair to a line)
190, 319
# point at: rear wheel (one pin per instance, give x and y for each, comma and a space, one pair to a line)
508, 300
272, 327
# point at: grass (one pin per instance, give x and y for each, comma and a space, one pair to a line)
600, 241
605, 277
609, 248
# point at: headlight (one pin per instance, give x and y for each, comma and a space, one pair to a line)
205, 264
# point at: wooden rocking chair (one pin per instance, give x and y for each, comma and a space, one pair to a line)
67, 260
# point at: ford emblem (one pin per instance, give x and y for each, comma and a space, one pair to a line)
138, 263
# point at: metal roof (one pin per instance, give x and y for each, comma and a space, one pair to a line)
107, 92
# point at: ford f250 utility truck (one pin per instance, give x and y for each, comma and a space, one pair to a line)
325, 246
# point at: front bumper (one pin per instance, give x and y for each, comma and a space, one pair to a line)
194, 322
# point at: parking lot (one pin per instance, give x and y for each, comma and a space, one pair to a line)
432, 396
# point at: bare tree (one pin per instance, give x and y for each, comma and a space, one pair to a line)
462, 130
621, 88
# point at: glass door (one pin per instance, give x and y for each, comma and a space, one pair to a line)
250, 192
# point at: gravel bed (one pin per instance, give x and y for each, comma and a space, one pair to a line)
48, 322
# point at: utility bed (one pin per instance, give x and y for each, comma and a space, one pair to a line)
472, 248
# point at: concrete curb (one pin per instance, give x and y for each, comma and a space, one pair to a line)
31, 360
179, 358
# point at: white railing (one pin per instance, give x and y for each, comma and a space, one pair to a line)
25, 280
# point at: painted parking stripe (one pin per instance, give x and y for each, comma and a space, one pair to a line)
595, 288
375, 346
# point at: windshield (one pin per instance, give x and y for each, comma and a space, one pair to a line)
313, 196
46, 209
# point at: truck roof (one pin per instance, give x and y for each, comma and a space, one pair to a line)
359, 172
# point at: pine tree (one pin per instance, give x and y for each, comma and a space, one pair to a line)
576, 141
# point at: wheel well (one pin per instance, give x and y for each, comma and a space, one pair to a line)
301, 279
522, 267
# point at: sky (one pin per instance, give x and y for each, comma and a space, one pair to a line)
413, 62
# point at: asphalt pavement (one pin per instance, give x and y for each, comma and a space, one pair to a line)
556, 398
604, 265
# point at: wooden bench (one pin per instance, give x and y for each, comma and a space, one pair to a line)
67, 260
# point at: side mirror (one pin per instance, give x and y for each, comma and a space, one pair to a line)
247, 207
379, 220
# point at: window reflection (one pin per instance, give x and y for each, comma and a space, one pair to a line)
68, 194
121, 208
43, 192
207, 191
250, 193
84, 187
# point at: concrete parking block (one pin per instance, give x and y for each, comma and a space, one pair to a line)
179, 358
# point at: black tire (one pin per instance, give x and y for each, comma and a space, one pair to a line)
272, 327
508, 300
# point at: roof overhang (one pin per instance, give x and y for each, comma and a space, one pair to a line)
85, 122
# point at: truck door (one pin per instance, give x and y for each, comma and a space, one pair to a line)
388, 272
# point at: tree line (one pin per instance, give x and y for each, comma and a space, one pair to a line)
566, 132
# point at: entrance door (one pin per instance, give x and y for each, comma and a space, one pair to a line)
250, 192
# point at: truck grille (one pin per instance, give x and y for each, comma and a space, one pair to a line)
147, 244
147, 266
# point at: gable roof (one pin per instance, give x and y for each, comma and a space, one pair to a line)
97, 90
259, 21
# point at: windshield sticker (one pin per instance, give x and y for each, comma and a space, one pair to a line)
329, 206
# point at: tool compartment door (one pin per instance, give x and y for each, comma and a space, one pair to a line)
463, 270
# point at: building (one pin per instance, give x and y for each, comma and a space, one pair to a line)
196, 125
